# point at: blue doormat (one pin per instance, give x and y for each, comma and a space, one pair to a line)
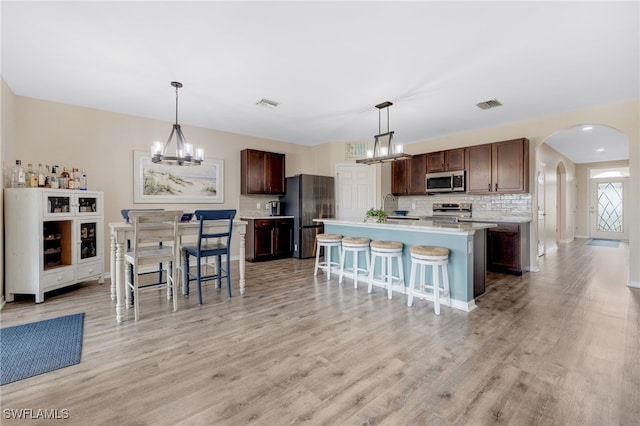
39, 347
604, 243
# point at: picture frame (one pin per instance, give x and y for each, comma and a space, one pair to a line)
161, 183
355, 151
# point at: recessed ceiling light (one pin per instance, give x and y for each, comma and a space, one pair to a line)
267, 103
587, 128
600, 150
491, 103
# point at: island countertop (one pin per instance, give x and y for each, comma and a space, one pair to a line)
465, 228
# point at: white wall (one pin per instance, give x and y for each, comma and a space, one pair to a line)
6, 152
552, 232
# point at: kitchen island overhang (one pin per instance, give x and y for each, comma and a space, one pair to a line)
466, 242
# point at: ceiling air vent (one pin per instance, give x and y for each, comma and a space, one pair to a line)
489, 104
266, 103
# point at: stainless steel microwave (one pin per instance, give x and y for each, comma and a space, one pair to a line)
445, 182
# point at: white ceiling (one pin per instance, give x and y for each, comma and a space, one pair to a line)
326, 63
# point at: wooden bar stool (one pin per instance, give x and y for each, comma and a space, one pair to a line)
386, 250
328, 241
355, 245
438, 259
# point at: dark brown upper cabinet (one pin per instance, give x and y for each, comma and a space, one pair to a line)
500, 167
408, 176
446, 161
261, 172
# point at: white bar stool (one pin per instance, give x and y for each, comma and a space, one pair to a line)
437, 258
355, 245
386, 250
328, 241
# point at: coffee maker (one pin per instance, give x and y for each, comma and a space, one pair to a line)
275, 208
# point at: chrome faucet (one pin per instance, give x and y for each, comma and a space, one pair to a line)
384, 200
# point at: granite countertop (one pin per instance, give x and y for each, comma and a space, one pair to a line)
503, 219
414, 225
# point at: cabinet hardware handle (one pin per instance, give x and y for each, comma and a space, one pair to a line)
496, 187
489, 186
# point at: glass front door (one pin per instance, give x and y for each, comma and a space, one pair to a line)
608, 208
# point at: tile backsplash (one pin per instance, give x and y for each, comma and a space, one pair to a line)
248, 206
483, 206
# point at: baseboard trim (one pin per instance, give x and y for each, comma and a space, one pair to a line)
633, 284
582, 237
567, 241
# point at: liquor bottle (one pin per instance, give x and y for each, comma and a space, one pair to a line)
76, 178
83, 180
54, 183
18, 176
47, 177
64, 178
41, 176
72, 179
31, 179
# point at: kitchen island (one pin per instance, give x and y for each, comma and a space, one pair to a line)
466, 242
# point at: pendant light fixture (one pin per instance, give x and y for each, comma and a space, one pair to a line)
384, 150
185, 155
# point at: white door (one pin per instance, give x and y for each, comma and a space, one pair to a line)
355, 190
541, 210
607, 208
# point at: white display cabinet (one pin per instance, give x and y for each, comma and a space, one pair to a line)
53, 238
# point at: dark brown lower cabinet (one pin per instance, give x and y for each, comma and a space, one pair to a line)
269, 239
505, 248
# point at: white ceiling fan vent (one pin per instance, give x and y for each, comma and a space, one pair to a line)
492, 103
266, 103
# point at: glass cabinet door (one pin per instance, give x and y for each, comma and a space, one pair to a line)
87, 204
89, 241
57, 204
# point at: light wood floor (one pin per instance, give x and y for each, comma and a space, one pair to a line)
556, 347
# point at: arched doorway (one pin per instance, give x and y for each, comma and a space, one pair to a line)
567, 155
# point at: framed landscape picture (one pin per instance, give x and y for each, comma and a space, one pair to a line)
160, 183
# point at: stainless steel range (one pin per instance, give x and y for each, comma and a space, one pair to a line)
450, 212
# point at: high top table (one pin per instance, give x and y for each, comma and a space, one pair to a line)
122, 231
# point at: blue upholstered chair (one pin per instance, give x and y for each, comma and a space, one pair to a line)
210, 243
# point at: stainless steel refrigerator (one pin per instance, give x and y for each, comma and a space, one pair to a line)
307, 197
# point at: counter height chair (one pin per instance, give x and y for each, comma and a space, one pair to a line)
386, 251
356, 246
438, 259
210, 243
160, 281
328, 242
150, 229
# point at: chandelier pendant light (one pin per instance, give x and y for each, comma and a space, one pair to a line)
384, 150
185, 155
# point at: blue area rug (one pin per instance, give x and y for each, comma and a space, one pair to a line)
604, 243
39, 347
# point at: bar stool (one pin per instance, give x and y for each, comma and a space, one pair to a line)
437, 258
355, 245
386, 250
328, 241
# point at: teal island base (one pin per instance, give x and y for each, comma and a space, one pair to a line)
466, 242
